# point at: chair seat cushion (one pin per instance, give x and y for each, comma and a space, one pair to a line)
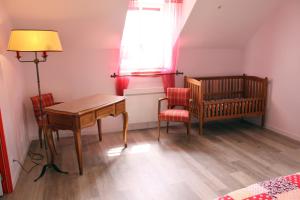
174, 115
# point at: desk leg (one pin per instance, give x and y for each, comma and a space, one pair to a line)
125, 127
77, 137
99, 129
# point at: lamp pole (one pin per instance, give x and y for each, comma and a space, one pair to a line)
50, 164
36, 61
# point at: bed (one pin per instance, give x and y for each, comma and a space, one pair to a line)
227, 97
280, 188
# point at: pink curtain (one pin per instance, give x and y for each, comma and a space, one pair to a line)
174, 14
121, 85
169, 80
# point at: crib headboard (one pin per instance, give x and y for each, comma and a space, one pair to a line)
196, 93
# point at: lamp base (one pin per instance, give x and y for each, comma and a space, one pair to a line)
48, 166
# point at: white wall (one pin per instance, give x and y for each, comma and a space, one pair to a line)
274, 51
209, 62
12, 100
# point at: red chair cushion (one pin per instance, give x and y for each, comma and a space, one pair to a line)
178, 96
174, 115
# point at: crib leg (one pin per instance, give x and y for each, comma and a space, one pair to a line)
167, 126
188, 127
263, 119
200, 128
242, 119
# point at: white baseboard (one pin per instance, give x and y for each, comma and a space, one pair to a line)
16, 175
283, 132
138, 126
288, 134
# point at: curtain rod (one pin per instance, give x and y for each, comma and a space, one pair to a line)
114, 75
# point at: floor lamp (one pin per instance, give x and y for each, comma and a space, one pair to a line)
36, 41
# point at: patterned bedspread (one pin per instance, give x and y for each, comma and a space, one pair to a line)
280, 188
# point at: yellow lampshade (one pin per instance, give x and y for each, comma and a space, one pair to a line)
34, 41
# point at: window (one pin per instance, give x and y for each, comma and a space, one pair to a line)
148, 41
148, 36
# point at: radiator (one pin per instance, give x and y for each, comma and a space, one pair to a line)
141, 105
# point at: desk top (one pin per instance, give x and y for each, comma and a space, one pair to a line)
85, 104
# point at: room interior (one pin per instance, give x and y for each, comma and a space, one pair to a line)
214, 38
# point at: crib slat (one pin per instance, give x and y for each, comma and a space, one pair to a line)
233, 108
260, 105
219, 90
235, 87
226, 88
254, 89
249, 88
241, 88
222, 89
222, 109
231, 88
243, 107
261, 89
208, 82
245, 88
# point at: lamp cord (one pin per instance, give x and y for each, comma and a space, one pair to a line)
36, 159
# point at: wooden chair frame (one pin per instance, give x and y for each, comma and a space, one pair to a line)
188, 124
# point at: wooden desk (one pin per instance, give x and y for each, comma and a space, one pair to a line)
78, 114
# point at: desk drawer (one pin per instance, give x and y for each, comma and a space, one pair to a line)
61, 121
87, 120
120, 107
106, 111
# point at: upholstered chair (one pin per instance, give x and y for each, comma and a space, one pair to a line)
47, 100
176, 97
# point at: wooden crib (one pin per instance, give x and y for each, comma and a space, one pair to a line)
226, 97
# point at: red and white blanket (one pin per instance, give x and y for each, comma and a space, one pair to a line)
280, 188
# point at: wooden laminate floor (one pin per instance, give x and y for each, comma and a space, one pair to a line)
229, 156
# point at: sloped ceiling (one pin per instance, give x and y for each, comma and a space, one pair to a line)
80, 23
92, 24
225, 23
